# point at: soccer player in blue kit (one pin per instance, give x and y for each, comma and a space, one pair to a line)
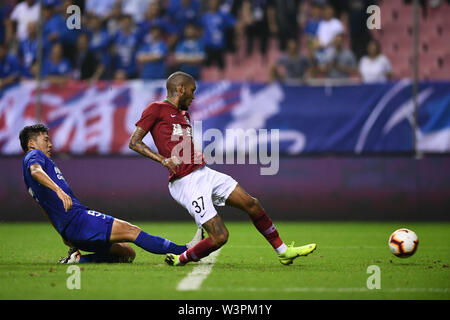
80, 227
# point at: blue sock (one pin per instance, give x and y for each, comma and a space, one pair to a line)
99, 257
157, 245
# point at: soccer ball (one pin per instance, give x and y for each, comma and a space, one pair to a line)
403, 243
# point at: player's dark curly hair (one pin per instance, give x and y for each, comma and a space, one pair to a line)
29, 132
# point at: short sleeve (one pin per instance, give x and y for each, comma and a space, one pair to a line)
149, 117
36, 157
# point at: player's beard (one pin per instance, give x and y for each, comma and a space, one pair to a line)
183, 104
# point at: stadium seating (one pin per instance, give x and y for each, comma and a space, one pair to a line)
397, 41
395, 36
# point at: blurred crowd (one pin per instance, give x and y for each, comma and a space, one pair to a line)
149, 39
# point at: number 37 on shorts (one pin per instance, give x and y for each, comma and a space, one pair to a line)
199, 206
202, 209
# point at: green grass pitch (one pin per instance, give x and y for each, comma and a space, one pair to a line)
246, 267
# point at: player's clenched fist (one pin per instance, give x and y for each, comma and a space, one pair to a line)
171, 163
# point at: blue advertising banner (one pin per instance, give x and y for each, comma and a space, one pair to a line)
356, 119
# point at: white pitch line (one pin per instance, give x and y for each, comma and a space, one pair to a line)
319, 289
195, 278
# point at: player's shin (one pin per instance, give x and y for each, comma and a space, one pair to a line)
266, 227
157, 245
199, 251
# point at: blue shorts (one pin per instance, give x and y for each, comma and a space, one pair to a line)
89, 231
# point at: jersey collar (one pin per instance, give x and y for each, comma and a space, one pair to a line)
171, 104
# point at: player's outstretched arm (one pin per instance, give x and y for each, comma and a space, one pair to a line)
40, 176
136, 144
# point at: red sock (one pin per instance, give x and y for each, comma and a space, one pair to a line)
265, 226
200, 250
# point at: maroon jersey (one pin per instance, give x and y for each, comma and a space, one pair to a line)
172, 133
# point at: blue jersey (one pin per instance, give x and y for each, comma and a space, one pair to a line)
126, 49
55, 25
215, 25
28, 55
47, 198
155, 69
191, 47
147, 25
182, 14
10, 66
100, 41
51, 69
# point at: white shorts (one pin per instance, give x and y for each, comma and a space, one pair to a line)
201, 190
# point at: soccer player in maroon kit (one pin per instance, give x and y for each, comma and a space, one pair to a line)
191, 183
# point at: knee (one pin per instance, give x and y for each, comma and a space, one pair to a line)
253, 206
220, 239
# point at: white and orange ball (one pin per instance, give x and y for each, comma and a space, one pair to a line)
403, 243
